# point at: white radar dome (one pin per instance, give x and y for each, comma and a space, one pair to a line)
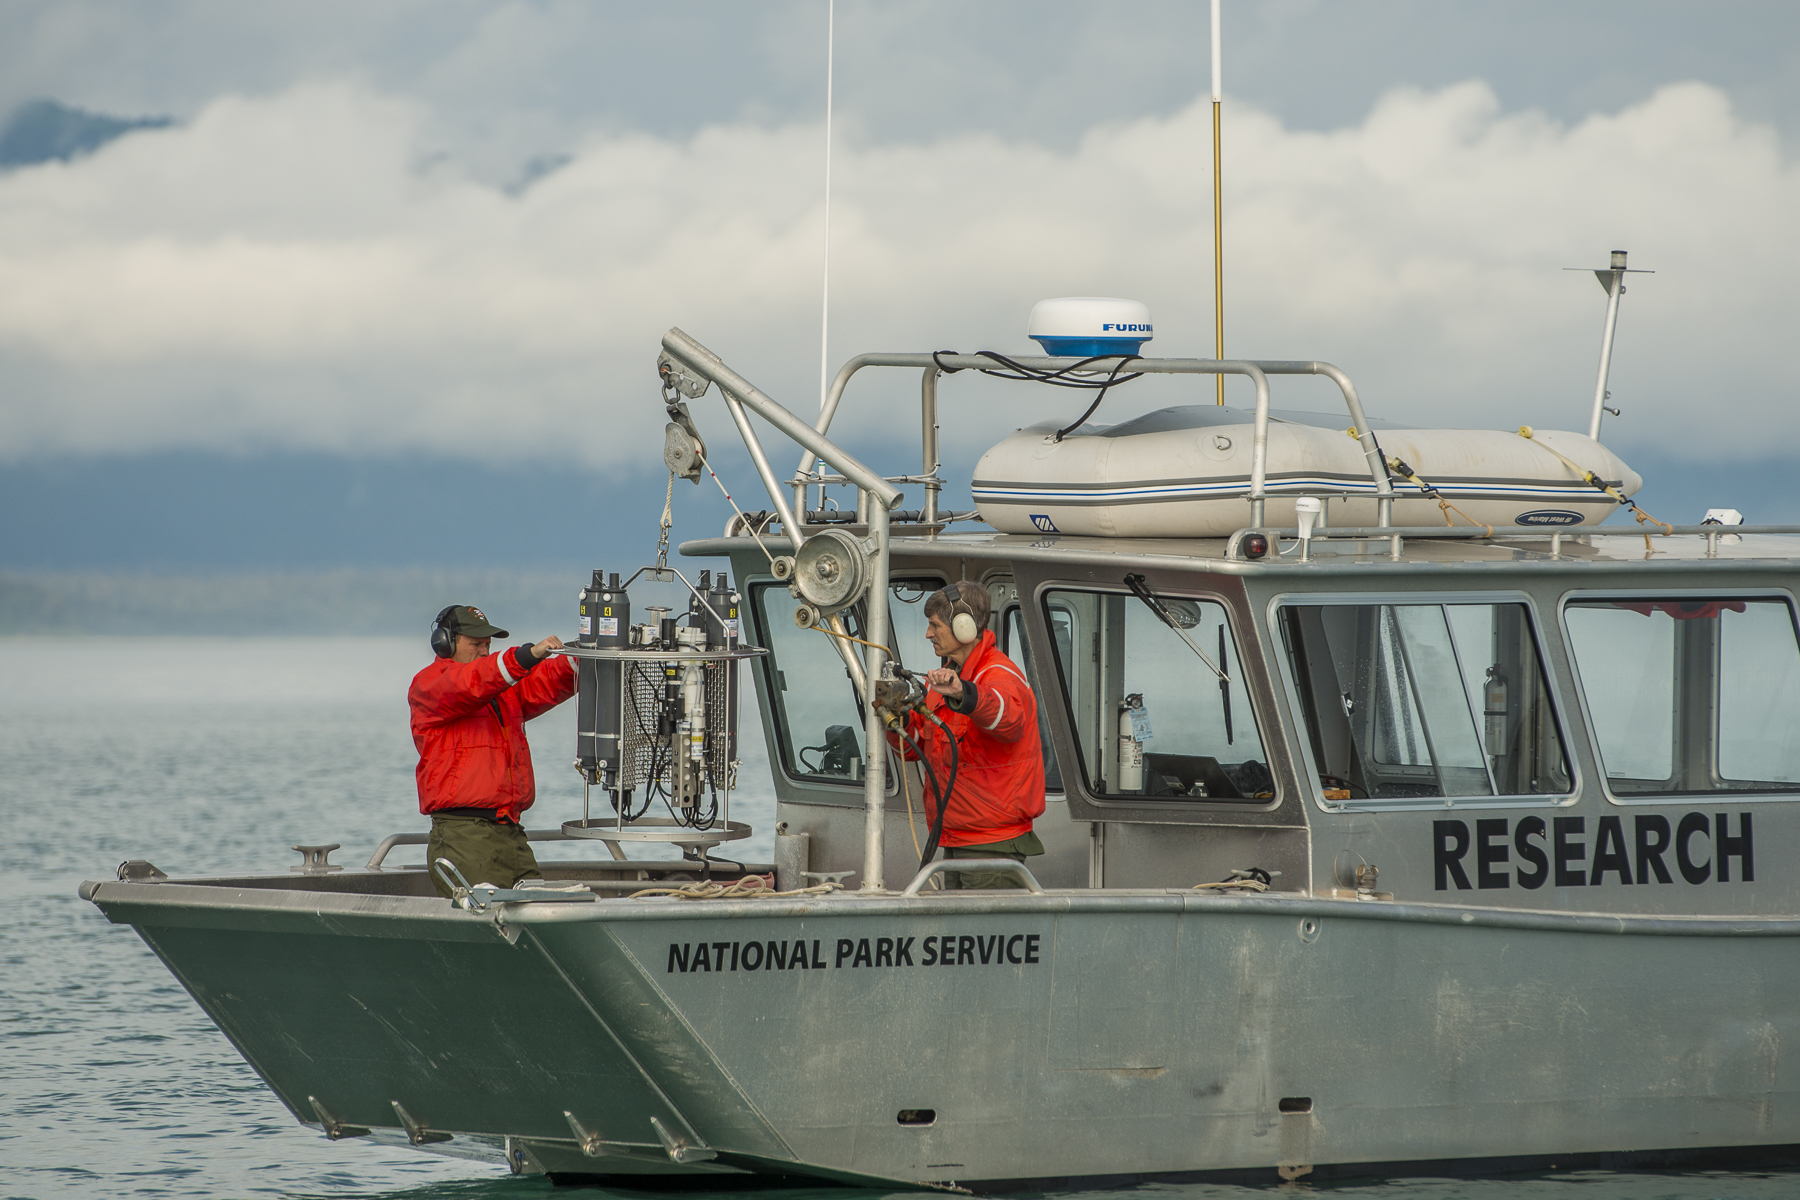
1085, 326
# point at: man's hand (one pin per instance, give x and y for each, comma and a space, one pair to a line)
542, 649
945, 682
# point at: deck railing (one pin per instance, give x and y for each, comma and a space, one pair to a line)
932, 365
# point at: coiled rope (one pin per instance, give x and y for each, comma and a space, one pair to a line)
737, 889
1253, 880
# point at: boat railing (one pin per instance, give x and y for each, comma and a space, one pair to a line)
617, 862
933, 365
1006, 866
1397, 535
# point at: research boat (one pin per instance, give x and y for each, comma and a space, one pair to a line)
1451, 846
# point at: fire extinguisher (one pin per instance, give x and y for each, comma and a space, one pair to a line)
1494, 701
1131, 751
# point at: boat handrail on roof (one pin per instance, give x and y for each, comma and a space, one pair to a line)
1012, 548
1479, 533
1257, 369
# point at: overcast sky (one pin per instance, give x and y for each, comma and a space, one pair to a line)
457, 230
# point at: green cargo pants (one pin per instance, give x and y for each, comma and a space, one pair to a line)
1016, 849
484, 851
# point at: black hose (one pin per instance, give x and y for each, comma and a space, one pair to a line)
1078, 422
1061, 377
932, 780
937, 826
1068, 376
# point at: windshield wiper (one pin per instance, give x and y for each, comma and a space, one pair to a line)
1224, 685
1141, 590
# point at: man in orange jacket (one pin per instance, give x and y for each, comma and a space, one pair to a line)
469, 710
985, 701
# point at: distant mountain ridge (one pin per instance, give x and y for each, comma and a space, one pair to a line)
43, 131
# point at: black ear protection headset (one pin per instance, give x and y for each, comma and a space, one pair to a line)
962, 624
443, 634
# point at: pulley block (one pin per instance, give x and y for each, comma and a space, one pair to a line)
833, 570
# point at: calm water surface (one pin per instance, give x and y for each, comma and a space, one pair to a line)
217, 755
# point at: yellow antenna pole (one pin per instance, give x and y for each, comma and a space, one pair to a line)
1218, 214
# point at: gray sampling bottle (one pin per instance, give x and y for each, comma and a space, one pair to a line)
605, 624
722, 634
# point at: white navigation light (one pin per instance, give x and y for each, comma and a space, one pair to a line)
1307, 510
1086, 326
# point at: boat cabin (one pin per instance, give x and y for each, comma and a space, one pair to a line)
1591, 724
1540, 712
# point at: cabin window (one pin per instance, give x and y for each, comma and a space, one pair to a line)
1414, 701
811, 696
1015, 646
1687, 696
906, 612
818, 721
1152, 720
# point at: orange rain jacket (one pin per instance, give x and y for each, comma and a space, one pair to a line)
999, 786
468, 721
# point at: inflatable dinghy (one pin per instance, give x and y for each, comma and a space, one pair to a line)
1186, 472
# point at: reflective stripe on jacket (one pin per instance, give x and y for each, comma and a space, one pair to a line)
468, 721
999, 786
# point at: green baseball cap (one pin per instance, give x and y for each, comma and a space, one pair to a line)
472, 622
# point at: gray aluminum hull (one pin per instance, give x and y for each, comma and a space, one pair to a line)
1157, 1032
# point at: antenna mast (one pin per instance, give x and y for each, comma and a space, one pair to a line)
1218, 214
825, 286
1613, 280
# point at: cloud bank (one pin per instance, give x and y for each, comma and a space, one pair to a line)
301, 271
